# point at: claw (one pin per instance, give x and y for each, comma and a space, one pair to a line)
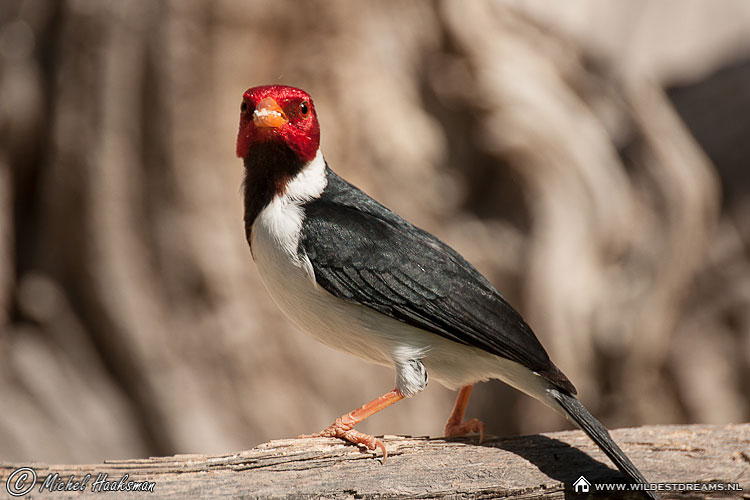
342, 430
473, 425
343, 427
454, 426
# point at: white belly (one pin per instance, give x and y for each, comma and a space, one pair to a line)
368, 334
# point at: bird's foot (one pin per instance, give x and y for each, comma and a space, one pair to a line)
343, 430
456, 429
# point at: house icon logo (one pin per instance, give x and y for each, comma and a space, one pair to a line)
581, 485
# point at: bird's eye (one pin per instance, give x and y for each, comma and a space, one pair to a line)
304, 108
243, 106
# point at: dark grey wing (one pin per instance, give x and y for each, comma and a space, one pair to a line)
364, 253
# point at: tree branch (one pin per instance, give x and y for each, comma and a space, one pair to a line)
538, 466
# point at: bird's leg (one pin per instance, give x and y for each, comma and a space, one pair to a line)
455, 426
343, 427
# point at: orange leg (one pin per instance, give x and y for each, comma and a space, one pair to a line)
343, 427
455, 426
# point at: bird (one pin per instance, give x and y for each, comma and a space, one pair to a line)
361, 279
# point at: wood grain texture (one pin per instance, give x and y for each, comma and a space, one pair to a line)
537, 466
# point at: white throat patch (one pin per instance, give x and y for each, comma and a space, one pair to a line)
277, 228
309, 183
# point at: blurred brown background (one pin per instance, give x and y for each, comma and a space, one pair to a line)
592, 158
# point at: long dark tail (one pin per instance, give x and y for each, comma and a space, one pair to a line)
596, 431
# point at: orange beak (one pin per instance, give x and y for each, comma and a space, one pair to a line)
268, 114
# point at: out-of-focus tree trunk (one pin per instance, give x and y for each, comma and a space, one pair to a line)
133, 320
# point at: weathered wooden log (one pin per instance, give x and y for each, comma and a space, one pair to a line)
695, 461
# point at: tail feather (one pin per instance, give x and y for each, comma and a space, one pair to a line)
599, 434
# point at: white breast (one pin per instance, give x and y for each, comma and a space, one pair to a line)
290, 280
348, 327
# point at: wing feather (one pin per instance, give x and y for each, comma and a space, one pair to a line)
364, 253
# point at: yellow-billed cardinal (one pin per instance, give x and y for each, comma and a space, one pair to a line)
360, 279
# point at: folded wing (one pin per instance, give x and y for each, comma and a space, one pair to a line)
364, 253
